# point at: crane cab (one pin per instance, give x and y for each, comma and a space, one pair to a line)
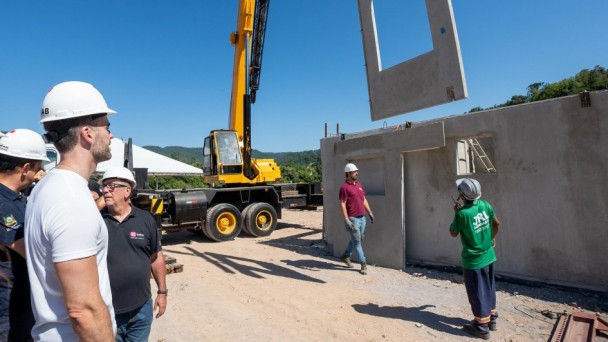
226, 163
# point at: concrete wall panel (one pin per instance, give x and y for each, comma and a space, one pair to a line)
550, 190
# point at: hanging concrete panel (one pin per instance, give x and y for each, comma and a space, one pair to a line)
428, 80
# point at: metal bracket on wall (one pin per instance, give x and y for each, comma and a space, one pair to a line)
450, 93
585, 99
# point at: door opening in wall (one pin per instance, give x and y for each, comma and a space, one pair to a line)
475, 155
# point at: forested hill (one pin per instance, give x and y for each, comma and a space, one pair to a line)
194, 155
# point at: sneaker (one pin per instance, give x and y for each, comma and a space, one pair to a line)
492, 326
492, 323
476, 330
346, 261
363, 268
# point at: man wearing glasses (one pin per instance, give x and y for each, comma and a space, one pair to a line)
66, 239
133, 236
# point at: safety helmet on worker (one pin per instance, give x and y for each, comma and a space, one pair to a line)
350, 167
469, 188
121, 173
72, 99
24, 144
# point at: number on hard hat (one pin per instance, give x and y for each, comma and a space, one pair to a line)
120, 173
24, 144
72, 99
350, 167
469, 188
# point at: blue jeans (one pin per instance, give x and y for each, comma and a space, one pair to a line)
356, 238
134, 326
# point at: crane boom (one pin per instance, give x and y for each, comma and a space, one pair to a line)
227, 156
257, 48
249, 46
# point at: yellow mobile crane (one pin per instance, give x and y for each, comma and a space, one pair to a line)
244, 195
227, 156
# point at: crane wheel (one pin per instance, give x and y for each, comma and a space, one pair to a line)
224, 222
260, 219
244, 214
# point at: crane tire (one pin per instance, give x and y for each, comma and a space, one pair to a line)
261, 219
224, 222
244, 214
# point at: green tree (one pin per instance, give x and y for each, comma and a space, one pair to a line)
175, 182
585, 80
302, 173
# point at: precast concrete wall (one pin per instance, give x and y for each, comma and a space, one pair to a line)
550, 189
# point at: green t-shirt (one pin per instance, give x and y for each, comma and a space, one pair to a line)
474, 224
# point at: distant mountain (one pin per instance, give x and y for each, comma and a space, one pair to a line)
188, 154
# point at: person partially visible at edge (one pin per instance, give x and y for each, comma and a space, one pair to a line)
134, 237
21, 154
95, 190
354, 206
66, 239
477, 225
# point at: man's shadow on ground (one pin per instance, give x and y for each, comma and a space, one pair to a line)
450, 325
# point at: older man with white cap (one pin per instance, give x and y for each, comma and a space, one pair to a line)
477, 226
134, 236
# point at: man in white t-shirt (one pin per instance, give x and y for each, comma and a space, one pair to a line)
66, 238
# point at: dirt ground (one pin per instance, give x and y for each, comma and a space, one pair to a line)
289, 287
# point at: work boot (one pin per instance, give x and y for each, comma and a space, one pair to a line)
363, 268
346, 260
477, 330
492, 323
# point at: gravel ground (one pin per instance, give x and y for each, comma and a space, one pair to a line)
288, 287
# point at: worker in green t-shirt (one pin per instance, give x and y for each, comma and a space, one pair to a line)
477, 226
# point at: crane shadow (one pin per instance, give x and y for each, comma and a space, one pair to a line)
249, 267
314, 265
419, 314
301, 244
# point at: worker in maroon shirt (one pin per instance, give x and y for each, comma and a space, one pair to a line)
354, 206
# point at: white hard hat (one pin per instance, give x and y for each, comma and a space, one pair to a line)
469, 188
72, 99
120, 173
24, 144
350, 167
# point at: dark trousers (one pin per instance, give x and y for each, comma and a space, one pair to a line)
481, 291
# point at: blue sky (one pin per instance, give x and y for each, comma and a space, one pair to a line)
166, 66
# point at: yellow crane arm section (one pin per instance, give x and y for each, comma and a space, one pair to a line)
242, 41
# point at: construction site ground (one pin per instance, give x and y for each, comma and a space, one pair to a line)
289, 287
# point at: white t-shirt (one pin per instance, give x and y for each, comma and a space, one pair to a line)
62, 223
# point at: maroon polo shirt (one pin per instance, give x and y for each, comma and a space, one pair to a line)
354, 196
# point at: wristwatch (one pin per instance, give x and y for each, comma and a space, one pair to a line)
162, 292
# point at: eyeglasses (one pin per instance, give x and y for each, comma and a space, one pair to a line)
112, 186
